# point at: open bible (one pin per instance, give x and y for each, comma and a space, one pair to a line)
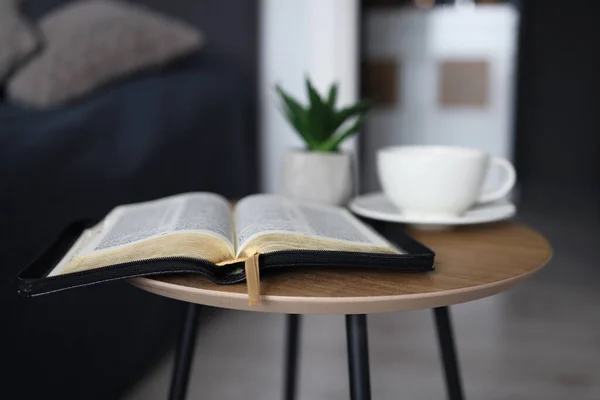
204, 233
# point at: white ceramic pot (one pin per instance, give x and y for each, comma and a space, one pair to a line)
325, 178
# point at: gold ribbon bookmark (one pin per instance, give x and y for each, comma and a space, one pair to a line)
253, 280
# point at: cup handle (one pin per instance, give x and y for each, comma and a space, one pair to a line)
506, 186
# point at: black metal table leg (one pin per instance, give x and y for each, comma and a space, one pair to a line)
448, 350
291, 356
184, 352
358, 357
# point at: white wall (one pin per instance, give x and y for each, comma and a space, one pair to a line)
418, 40
318, 38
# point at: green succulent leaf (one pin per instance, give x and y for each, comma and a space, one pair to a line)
313, 95
331, 99
344, 114
319, 124
292, 105
297, 123
318, 115
334, 143
296, 115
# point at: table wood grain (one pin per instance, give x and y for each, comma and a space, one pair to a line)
471, 263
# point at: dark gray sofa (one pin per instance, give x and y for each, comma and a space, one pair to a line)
187, 127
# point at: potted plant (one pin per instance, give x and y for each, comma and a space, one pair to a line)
321, 172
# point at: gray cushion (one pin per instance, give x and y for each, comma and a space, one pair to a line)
17, 38
92, 42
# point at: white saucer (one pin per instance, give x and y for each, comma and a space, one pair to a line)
377, 206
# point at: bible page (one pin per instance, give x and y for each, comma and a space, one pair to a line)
265, 214
206, 213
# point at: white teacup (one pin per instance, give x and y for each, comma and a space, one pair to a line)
439, 180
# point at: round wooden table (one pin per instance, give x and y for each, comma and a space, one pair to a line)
470, 263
